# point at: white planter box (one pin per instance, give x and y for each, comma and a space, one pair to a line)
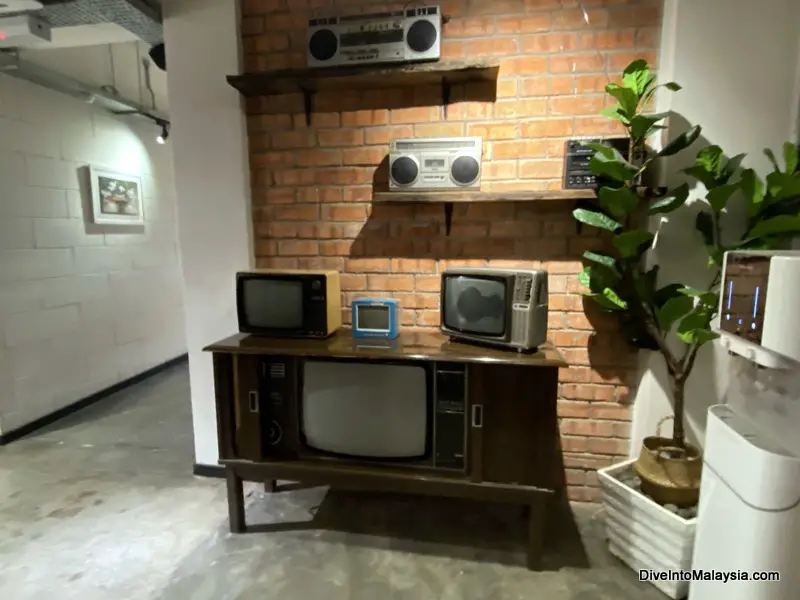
643, 534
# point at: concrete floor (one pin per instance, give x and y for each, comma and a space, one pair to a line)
103, 506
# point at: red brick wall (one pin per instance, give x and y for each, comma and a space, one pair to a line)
312, 186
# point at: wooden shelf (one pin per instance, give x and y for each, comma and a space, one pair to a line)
459, 197
318, 79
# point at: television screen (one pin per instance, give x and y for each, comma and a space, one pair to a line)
475, 305
365, 410
373, 317
272, 303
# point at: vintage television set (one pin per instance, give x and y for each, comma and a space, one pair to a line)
500, 307
288, 303
384, 412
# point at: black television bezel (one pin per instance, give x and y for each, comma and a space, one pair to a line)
305, 279
429, 420
507, 278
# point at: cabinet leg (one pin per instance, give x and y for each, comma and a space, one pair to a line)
536, 520
236, 515
270, 486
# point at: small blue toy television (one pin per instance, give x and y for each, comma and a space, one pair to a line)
375, 318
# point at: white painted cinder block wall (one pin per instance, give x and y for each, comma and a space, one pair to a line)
81, 306
739, 64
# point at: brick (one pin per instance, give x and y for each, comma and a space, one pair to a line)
553, 127
427, 283
506, 88
579, 105
312, 195
577, 391
365, 118
343, 176
363, 156
318, 158
341, 137
277, 262
506, 169
466, 111
277, 122
416, 114
491, 131
459, 28
575, 476
523, 24
335, 247
273, 42
417, 300
390, 283
256, 7
333, 263
428, 318
383, 135
574, 444
368, 265
540, 169
615, 447
409, 265
298, 248
648, 37
575, 375
576, 63
519, 149
531, 65
587, 84
460, 262
344, 213
597, 126
583, 494
515, 109
619, 39
292, 139
610, 412
272, 160
352, 282
252, 25
266, 247
635, 16
547, 43
440, 130
296, 213
513, 229
618, 61
574, 410
548, 86
318, 120
576, 19
493, 47
453, 49
579, 321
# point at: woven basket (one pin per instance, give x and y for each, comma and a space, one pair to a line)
669, 479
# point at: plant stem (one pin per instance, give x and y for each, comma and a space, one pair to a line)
678, 388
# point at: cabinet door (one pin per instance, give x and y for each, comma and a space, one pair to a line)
514, 426
247, 386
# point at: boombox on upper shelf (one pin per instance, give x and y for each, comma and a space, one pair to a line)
435, 163
410, 35
577, 175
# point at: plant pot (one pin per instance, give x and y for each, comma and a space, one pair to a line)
670, 475
644, 534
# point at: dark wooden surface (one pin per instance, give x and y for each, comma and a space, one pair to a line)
346, 476
247, 378
317, 79
519, 437
464, 196
409, 346
223, 385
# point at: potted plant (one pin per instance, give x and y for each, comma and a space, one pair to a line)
672, 319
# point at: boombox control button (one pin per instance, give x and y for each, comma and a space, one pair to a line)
274, 434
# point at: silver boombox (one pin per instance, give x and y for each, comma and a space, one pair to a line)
435, 163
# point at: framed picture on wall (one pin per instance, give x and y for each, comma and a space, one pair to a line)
116, 198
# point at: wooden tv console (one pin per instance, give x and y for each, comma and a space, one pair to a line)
513, 456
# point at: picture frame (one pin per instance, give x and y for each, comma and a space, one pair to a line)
116, 197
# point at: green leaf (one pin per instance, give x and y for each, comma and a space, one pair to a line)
673, 87
612, 297
604, 302
632, 244
771, 156
641, 124
718, 197
616, 112
619, 202
635, 76
612, 165
776, 225
783, 185
697, 336
595, 219
681, 142
753, 188
790, 156
666, 293
674, 309
646, 284
706, 298
700, 174
671, 202
732, 166
597, 278
650, 81
704, 223
602, 259
627, 97
694, 328
710, 159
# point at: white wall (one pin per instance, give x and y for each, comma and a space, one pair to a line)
213, 186
81, 306
739, 64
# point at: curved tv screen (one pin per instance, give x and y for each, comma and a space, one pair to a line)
475, 305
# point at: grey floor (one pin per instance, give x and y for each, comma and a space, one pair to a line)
103, 506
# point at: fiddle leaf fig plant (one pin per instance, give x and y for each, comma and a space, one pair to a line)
650, 312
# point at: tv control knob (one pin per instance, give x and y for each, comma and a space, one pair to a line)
316, 285
275, 434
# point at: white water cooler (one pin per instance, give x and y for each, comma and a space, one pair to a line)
749, 513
